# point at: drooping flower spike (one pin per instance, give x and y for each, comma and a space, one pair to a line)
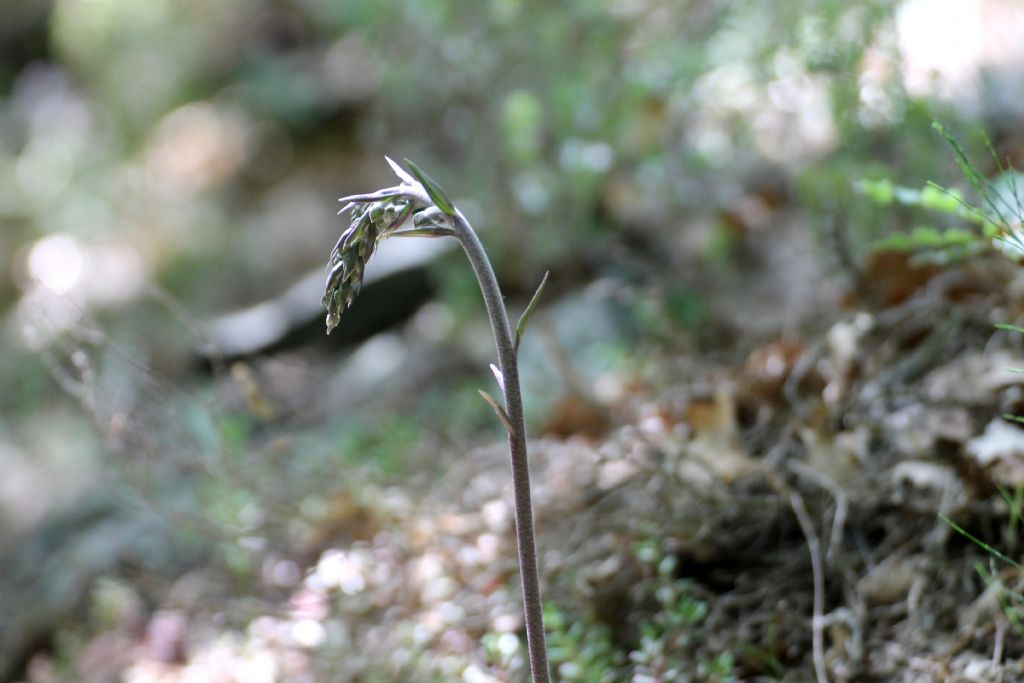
372, 218
382, 214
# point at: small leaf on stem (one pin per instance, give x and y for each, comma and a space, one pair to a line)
436, 194
498, 410
373, 196
400, 172
498, 377
525, 317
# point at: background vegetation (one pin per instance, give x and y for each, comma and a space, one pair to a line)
755, 300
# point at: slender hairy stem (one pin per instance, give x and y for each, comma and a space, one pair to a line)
502, 327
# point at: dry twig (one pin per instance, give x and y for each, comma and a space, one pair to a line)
796, 501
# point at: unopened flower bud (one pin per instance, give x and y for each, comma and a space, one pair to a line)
377, 213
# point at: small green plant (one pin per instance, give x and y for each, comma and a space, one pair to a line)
582, 650
386, 213
1011, 599
997, 221
670, 638
927, 243
1001, 217
1002, 210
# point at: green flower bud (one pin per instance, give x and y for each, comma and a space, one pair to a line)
377, 213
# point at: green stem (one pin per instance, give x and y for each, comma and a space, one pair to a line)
508, 364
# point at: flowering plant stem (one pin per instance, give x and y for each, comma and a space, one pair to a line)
382, 214
508, 363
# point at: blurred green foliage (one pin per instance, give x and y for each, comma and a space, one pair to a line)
554, 107
581, 650
381, 444
671, 644
183, 128
187, 154
995, 217
198, 147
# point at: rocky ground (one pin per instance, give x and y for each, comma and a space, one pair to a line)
801, 489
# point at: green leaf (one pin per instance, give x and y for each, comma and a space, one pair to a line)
946, 201
959, 236
437, 195
879, 191
925, 236
1009, 328
896, 242
978, 542
525, 317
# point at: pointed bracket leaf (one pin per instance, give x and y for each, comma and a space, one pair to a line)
386, 193
498, 377
524, 319
400, 172
498, 410
434, 191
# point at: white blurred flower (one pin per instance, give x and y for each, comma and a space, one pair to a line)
341, 571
